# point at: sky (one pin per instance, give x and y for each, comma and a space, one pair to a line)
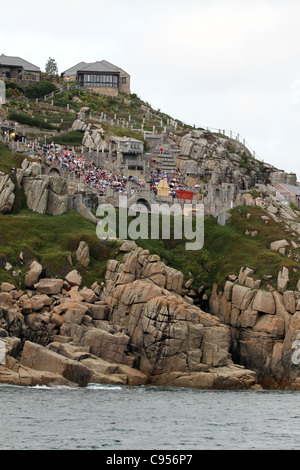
222, 64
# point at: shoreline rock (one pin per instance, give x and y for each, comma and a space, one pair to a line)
265, 326
137, 330
140, 329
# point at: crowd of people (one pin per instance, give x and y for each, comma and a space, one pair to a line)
86, 170
102, 179
174, 179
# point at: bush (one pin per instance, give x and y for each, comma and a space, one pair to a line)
14, 87
70, 138
40, 89
23, 118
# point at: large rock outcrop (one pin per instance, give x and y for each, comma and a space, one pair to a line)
215, 158
45, 194
7, 195
264, 327
92, 134
137, 329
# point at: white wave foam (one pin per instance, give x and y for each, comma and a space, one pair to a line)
95, 386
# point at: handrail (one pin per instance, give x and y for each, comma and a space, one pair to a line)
231, 135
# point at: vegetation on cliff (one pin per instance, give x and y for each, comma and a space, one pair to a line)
52, 239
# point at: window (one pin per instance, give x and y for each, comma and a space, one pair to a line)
100, 80
123, 79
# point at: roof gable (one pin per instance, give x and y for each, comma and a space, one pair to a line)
18, 62
73, 70
100, 66
293, 189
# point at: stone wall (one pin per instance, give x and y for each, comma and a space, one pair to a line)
124, 87
111, 91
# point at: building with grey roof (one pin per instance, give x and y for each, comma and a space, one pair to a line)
100, 76
17, 69
289, 192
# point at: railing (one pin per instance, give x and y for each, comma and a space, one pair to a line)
231, 135
154, 133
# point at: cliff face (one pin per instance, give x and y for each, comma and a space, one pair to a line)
139, 327
264, 326
44, 194
137, 330
218, 159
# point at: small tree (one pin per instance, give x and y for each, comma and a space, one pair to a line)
51, 68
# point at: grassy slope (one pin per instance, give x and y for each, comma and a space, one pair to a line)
9, 159
51, 239
227, 249
122, 105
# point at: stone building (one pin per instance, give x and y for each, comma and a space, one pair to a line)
129, 151
101, 77
18, 70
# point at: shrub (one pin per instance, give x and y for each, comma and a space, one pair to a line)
13, 87
70, 138
23, 118
40, 89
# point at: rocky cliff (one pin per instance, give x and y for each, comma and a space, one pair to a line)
136, 329
264, 326
219, 159
44, 194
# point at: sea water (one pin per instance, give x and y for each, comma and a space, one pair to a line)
104, 417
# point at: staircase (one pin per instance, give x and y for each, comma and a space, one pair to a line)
165, 159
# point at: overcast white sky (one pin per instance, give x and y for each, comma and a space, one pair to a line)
228, 64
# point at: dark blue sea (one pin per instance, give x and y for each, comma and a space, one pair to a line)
102, 417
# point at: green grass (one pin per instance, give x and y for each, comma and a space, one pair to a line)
27, 120
9, 159
69, 138
226, 249
50, 240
